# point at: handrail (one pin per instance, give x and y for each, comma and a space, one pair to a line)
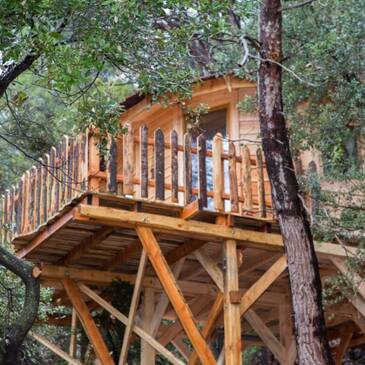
142, 167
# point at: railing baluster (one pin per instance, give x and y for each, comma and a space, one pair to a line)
218, 182
46, 181
39, 195
12, 212
84, 154
111, 167
6, 215
174, 167
143, 145
32, 197
246, 186
58, 179
19, 220
188, 169
128, 161
260, 183
2, 219
25, 226
76, 167
52, 182
70, 169
202, 170
159, 165
233, 186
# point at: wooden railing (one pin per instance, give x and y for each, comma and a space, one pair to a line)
216, 174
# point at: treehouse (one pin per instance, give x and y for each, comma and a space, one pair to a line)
180, 207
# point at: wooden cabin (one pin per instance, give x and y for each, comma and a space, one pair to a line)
185, 215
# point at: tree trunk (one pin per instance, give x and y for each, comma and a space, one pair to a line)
313, 348
16, 333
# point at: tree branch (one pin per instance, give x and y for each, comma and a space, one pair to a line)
295, 6
15, 335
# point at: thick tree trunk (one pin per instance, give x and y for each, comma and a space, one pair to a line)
17, 331
313, 348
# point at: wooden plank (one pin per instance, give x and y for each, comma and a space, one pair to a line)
131, 249
111, 166
143, 152
87, 244
204, 231
39, 194
188, 169
139, 331
183, 250
45, 234
58, 178
128, 160
208, 328
257, 289
211, 267
32, 198
218, 182
232, 318
260, 183
25, 224
52, 182
233, 182
246, 187
265, 334
163, 301
159, 165
202, 170
174, 167
133, 308
148, 354
87, 322
191, 210
55, 349
64, 170
174, 293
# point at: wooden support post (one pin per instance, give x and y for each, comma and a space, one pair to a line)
73, 337
286, 332
133, 308
138, 330
232, 318
218, 181
148, 355
172, 290
87, 322
345, 340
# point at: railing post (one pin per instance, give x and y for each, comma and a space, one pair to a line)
202, 170
128, 160
260, 183
246, 185
143, 155
188, 172
218, 182
233, 183
174, 167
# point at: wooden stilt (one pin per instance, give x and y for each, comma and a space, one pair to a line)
73, 338
148, 355
286, 332
174, 293
138, 330
232, 318
133, 308
345, 340
87, 322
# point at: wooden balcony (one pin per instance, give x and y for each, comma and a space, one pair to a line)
140, 165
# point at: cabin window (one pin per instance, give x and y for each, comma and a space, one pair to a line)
212, 123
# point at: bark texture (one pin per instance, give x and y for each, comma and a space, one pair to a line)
17, 331
312, 345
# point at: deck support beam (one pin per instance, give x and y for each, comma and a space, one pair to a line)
172, 290
232, 318
73, 337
